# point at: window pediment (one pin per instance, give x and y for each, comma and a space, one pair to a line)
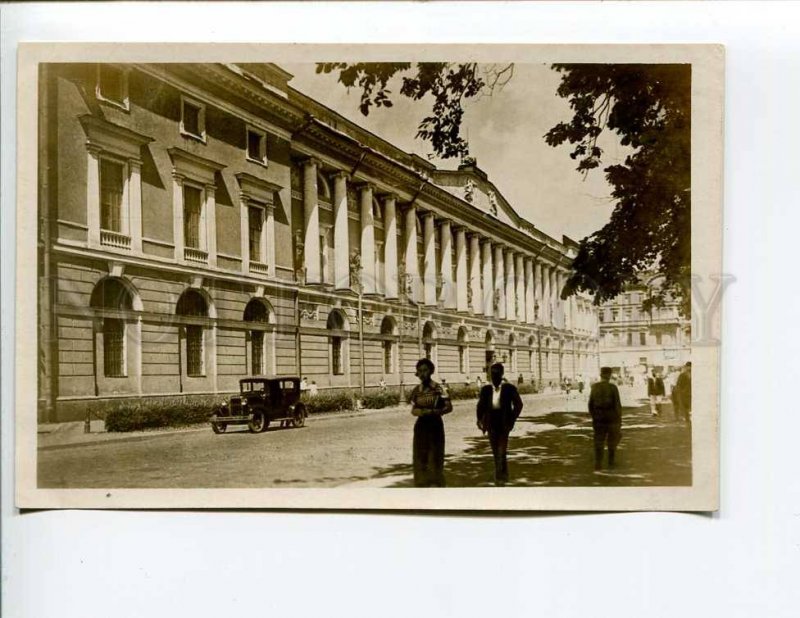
113, 138
256, 188
194, 167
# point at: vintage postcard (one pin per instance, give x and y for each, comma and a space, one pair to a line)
431, 277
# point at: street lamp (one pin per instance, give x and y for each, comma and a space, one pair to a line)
356, 276
406, 283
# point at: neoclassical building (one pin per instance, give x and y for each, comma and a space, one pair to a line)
634, 342
203, 222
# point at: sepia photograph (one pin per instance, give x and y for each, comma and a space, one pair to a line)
369, 277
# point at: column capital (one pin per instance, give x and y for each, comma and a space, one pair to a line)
345, 175
389, 195
309, 161
364, 185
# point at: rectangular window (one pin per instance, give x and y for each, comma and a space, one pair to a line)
337, 366
193, 118
257, 344
388, 357
194, 351
112, 185
113, 348
630, 339
112, 85
256, 216
642, 338
462, 359
192, 208
658, 339
429, 351
256, 146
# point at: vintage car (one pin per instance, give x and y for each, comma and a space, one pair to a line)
261, 400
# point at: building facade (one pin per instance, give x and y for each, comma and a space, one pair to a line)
634, 342
203, 222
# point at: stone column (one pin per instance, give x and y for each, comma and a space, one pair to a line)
341, 236
488, 279
244, 232
177, 216
429, 246
500, 281
547, 298
520, 272
475, 273
93, 199
462, 298
268, 239
210, 212
390, 246
135, 200
554, 296
412, 263
448, 295
538, 290
529, 292
511, 282
311, 260
368, 274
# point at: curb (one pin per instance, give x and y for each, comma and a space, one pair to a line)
322, 416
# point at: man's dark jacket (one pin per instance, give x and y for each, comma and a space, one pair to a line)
604, 402
510, 406
655, 386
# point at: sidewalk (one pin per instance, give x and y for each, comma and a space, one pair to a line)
62, 435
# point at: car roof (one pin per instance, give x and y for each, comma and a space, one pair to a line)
268, 378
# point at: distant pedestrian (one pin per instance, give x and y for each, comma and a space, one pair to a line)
520, 380
304, 384
580, 385
429, 402
605, 408
382, 384
655, 391
683, 393
479, 381
499, 406
313, 390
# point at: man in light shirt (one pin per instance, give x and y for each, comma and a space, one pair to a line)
499, 406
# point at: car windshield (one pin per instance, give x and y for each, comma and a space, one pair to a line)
253, 387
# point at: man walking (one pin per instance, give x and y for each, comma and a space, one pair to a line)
683, 394
655, 390
499, 406
605, 408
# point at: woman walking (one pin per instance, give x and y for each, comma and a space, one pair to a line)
429, 402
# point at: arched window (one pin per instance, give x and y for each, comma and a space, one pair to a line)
111, 293
389, 331
429, 340
337, 327
463, 350
192, 304
512, 353
532, 353
259, 313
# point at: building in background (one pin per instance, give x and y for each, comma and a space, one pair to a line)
634, 342
204, 222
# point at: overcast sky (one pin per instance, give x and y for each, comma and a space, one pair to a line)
506, 136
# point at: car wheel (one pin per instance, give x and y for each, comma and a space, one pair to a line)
299, 416
219, 427
258, 423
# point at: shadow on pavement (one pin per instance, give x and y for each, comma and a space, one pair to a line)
555, 450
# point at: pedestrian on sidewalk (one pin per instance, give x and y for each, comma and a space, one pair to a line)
429, 402
683, 394
605, 408
656, 392
499, 406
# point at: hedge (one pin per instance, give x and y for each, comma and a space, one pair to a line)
381, 399
150, 413
329, 402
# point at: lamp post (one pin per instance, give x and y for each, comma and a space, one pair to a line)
355, 276
405, 298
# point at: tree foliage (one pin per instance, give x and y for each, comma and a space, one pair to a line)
647, 106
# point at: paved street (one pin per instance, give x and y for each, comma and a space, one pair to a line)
551, 446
